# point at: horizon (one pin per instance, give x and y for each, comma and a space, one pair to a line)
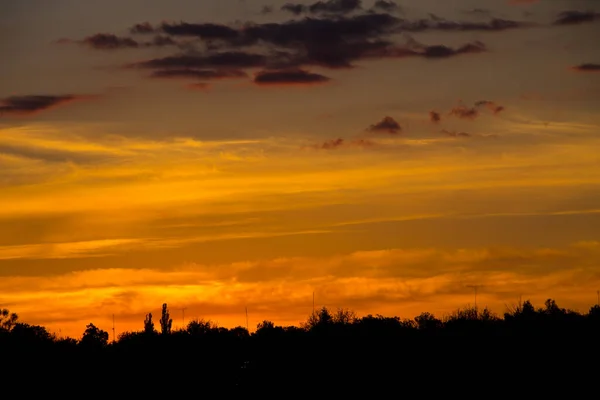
387, 156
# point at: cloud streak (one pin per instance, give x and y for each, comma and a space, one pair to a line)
32, 104
576, 17
289, 77
588, 67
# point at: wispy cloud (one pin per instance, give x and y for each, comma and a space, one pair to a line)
588, 67
573, 17
430, 279
289, 77
31, 104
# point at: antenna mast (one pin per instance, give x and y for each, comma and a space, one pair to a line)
475, 288
183, 317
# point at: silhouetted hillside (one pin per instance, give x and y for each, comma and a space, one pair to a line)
472, 353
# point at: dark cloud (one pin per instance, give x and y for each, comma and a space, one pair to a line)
576, 17
289, 77
435, 117
436, 23
464, 112
107, 41
198, 74
441, 51
295, 9
492, 106
387, 6
455, 134
587, 67
387, 125
219, 60
335, 6
204, 31
144, 27
23, 105
266, 10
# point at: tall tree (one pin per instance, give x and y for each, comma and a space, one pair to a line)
148, 324
165, 321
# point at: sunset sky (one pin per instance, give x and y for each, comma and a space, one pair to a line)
218, 155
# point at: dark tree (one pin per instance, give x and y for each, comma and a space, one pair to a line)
94, 337
148, 324
7, 319
165, 321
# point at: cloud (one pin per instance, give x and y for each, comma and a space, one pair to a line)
464, 112
107, 41
295, 9
441, 51
198, 74
24, 105
335, 6
436, 23
266, 10
430, 279
492, 106
289, 77
387, 125
387, 6
455, 134
223, 60
144, 27
205, 31
435, 117
575, 17
333, 144
588, 67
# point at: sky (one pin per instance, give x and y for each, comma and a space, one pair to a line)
223, 156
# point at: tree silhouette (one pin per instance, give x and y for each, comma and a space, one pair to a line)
94, 337
165, 321
7, 319
148, 324
427, 321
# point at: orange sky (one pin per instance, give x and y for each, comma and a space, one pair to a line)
385, 158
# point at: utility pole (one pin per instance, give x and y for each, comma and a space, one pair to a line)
247, 326
313, 304
183, 316
114, 336
475, 288
598, 294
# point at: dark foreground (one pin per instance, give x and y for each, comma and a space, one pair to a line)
521, 356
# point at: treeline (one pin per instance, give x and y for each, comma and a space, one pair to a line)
367, 352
